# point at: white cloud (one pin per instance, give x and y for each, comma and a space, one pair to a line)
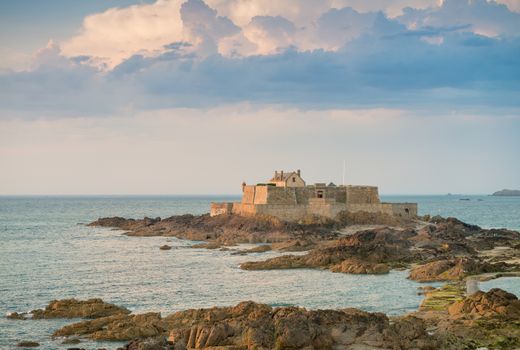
119, 33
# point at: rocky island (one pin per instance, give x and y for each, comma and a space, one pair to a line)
507, 193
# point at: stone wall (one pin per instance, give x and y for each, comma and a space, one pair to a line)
362, 195
221, 209
407, 210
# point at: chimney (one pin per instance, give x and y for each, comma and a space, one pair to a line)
281, 174
298, 172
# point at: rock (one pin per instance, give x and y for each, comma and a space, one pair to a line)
28, 344
209, 245
358, 267
495, 303
159, 343
72, 308
258, 249
71, 341
165, 247
16, 316
453, 269
370, 251
256, 326
507, 193
116, 327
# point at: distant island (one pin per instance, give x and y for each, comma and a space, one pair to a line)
507, 193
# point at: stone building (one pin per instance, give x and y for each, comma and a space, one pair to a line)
288, 197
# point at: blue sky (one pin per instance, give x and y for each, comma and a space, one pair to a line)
417, 96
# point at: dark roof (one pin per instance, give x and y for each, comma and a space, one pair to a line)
286, 174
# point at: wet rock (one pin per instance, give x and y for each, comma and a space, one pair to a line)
116, 327
495, 303
165, 247
16, 316
73, 308
71, 341
453, 269
28, 344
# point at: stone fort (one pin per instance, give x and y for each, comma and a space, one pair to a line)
288, 197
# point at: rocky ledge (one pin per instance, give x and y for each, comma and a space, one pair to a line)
484, 319
441, 250
73, 308
250, 325
233, 229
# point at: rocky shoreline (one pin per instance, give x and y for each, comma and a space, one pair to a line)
484, 319
434, 249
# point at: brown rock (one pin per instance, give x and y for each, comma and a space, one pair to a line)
453, 269
72, 308
495, 303
16, 316
28, 344
358, 267
116, 327
165, 247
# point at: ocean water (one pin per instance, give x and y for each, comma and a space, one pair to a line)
46, 252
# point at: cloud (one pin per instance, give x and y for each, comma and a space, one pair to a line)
482, 17
345, 58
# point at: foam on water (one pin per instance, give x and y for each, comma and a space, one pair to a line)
46, 255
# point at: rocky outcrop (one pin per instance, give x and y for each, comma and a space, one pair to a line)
495, 303
16, 316
72, 308
507, 193
371, 251
256, 326
117, 327
453, 269
221, 229
354, 266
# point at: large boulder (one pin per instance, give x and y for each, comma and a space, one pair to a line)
73, 308
495, 303
117, 327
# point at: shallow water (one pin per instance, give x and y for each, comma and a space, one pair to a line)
46, 255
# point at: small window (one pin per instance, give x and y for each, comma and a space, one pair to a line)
319, 194
406, 210
293, 179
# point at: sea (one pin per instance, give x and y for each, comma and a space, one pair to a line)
47, 252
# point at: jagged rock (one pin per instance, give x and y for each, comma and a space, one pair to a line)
117, 327
256, 326
453, 269
72, 308
358, 267
165, 247
495, 303
159, 343
28, 344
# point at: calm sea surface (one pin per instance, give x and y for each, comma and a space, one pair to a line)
47, 253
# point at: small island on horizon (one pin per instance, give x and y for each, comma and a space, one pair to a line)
507, 193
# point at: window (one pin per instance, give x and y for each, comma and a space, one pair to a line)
293, 179
319, 194
407, 211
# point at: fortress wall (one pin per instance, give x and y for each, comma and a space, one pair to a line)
248, 195
362, 195
404, 209
302, 195
220, 209
371, 208
280, 195
261, 194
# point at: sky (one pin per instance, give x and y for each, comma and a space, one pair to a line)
196, 96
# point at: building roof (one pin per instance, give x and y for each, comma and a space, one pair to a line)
282, 175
